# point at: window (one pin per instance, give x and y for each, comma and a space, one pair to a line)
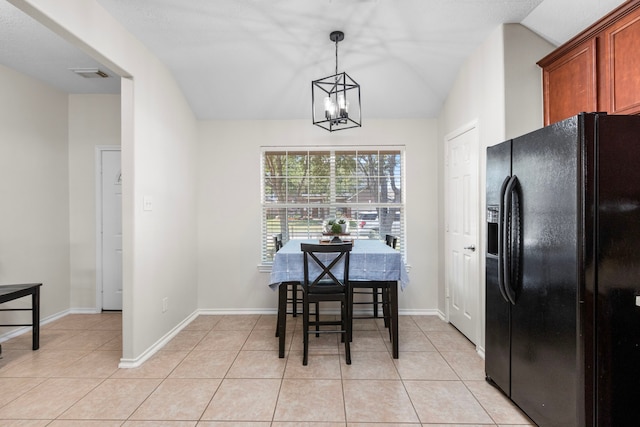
302, 189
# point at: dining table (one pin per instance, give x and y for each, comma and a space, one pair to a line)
15, 291
370, 260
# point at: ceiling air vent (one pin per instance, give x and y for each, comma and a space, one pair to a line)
90, 73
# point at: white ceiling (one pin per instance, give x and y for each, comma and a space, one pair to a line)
255, 59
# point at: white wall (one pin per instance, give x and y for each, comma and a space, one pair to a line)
523, 80
93, 120
158, 157
34, 219
500, 87
229, 211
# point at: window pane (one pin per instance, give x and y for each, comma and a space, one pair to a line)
367, 190
319, 190
390, 182
297, 164
297, 190
274, 164
302, 224
275, 223
375, 223
368, 164
345, 163
320, 164
274, 190
346, 189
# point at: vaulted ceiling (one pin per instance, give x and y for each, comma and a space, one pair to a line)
255, 59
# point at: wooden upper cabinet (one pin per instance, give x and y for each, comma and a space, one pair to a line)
570, 84
621, 45
598, 70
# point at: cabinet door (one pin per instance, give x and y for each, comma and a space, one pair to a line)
570, 83
622, 62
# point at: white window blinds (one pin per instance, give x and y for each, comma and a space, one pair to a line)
302, 189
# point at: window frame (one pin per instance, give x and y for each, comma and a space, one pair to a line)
333, 206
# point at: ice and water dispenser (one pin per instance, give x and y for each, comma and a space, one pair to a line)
492, 229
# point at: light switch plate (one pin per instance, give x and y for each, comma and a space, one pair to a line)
638, 300
147, 203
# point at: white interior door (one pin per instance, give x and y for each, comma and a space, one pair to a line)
111, 230
462, 232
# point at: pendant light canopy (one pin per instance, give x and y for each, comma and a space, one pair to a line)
335, 100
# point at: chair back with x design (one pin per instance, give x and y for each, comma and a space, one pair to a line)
323, 282
326, 276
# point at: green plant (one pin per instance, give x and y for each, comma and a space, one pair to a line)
342, 221
336, 228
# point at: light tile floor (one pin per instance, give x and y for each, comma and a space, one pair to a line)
225, 371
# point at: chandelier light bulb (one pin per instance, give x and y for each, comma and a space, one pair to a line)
343, 106
329, 108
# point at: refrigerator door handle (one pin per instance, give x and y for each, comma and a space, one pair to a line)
501, 253
510, 223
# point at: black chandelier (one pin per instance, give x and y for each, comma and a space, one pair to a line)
335, 100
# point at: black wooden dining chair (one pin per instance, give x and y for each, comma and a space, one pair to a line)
326, 286
294, 297
376, 290
391, 240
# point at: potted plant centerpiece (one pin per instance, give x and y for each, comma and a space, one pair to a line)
336, 228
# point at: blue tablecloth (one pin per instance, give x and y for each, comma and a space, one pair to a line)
369, 260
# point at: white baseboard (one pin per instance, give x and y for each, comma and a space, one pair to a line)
24, 329
54, 317
153, 349
85, 311
224, 311
414, 312
480, 351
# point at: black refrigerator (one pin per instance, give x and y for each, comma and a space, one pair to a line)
563, 271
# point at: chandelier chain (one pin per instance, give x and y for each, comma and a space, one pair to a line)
336, 56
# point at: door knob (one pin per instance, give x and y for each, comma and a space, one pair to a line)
470, 247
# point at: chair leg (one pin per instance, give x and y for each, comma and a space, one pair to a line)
374, 291
282, 305
294, 299
385, 306
393, 322
350, 313
281, 324
346, 328
305, 331
278, 314
317, 318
